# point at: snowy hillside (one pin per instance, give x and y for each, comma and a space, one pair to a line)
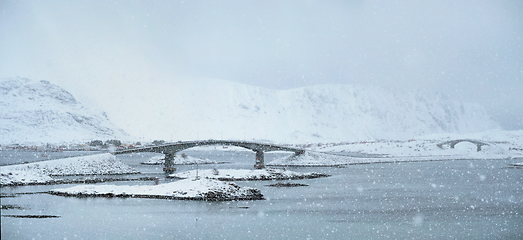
40, 112
203, 109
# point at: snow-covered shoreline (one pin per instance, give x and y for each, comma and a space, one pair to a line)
188, 189
509, 143
319, 159
93, 180
247, 174
391, 151
43, 172
517, 164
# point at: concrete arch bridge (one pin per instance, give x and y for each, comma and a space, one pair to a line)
171, 149
453, 143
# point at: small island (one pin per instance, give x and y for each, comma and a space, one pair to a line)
188, 189
247, 174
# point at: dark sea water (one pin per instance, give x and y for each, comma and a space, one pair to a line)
476, 199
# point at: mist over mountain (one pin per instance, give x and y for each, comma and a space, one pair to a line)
40, 112
218, 109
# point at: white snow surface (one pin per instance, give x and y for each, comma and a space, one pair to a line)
183, 189
178, 160
502, 145
25, 176
36, 112
245, 174
323, 159
218, 109
84, 165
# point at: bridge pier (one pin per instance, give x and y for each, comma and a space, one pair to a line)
169, 163
260, 161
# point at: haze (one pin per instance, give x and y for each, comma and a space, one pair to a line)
470, 50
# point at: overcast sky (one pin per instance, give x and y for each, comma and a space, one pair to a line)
471, 50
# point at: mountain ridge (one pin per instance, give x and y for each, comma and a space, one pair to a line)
41, 112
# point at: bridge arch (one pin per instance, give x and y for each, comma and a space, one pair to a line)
453, 143
171, 149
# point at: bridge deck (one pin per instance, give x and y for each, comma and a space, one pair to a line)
180, 146
171, 149
453, 143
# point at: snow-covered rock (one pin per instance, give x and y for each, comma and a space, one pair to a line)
155, 160
41, 171
247, 175
40, 112
22, 177
188, 189
178, 160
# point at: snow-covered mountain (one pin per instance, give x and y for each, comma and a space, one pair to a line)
40, 112
217, 109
